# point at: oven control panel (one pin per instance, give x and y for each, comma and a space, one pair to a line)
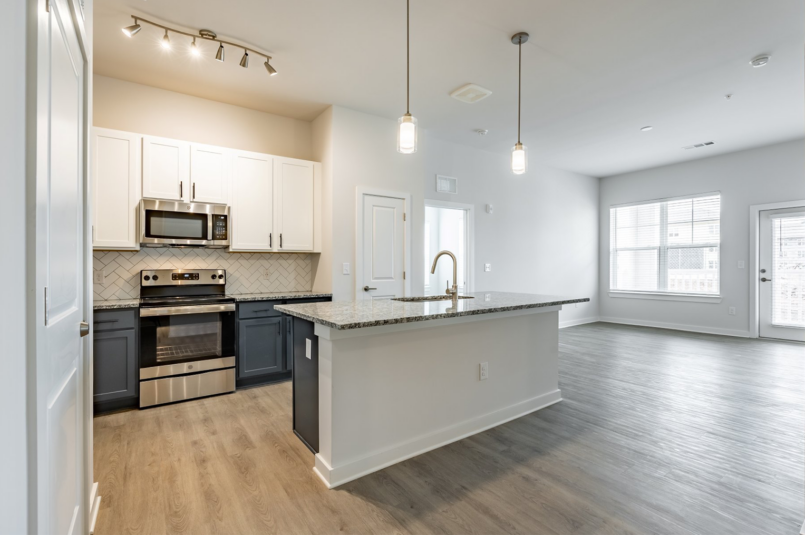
182, 277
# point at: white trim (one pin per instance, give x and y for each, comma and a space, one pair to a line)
677, 327
754, 258
470, 209
667, 199
578, 321
333, 477
693, 298
360, 192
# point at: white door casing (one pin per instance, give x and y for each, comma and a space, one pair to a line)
166, 169
383, 240
781, 305
61, 497
252, 214
295, 193
209, 174
116, 188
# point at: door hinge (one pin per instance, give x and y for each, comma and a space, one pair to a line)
46, 305
47, 6
403, 216
403, 275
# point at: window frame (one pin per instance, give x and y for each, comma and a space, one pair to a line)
662, 254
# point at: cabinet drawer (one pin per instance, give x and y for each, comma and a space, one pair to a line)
257, 309
109, 320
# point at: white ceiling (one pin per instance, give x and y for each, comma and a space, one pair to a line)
594, 71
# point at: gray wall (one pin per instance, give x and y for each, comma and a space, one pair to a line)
765, 175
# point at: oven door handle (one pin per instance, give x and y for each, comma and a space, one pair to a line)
192, 309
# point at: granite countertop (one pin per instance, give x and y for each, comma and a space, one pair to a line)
115, 303
277, 295
343, 315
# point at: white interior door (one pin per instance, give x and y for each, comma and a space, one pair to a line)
60, 261
781, 276
209, 180
252, 202
383, 234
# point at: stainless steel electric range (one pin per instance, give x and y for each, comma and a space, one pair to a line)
187, 335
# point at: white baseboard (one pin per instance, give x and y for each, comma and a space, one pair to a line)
677, 326
333, 477
578, 321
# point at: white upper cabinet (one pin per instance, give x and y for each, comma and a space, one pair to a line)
209, 174
166, 169
295, 206
252, 213
115, 189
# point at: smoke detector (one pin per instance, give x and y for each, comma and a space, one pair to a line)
482, 131
470, 93
760, 61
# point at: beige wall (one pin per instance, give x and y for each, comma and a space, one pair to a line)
143, 109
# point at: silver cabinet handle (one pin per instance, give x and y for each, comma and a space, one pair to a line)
270, 240
366, 288
181, 189
764, 279
194, 191
280, 240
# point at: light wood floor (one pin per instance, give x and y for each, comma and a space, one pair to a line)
659, 432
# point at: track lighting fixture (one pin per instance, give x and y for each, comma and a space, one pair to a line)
133, 29
519, 151
406, 125
209, 35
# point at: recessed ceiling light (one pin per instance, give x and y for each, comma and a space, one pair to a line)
646, 128
760, 61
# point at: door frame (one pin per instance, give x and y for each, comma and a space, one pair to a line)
360, 193
470, 209
754, 258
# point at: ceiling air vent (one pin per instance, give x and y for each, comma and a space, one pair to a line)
470, 93
446, 184
699, 145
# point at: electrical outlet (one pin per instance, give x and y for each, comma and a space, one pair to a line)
308, 348
98, 276
266, 274
487, 267
484, 371
345, 268
741, 264
732, 311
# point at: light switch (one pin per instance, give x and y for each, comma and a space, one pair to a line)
308, 348
345, 268
741, 264
489, 208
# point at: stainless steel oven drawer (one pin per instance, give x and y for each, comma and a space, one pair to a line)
182, 368
170, 389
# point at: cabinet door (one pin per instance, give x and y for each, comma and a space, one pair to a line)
209, 181
166, 169
252, 211
115, 372
115, 189
259, 347
295, 206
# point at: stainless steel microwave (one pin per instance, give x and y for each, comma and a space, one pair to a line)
179, 224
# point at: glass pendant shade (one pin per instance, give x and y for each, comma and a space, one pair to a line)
406, 134
519, 159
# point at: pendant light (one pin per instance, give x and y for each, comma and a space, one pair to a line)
519, 151
406, 126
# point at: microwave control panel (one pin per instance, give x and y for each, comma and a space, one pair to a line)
219, 227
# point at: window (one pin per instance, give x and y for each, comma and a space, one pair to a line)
668, 246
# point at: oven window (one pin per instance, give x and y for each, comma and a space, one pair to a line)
178, 225
186, 337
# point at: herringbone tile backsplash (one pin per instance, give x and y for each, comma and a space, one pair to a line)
246, 272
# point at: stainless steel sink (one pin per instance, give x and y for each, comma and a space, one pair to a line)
431, 298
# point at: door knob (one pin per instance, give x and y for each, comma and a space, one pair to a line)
764, 279
83, 330
366, 288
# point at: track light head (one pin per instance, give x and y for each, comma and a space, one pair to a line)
271, 70
133, 29
220, 54
244, 61
194, 48
166, 41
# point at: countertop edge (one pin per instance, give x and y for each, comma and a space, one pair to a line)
121, 304
414, 319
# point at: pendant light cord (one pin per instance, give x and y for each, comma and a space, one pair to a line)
407, 55
519, 83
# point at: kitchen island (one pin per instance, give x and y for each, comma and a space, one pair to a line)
399, 378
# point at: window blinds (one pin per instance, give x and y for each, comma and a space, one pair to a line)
666, 246
788, 271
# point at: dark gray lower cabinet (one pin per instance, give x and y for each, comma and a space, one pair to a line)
260, 349
115, 370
